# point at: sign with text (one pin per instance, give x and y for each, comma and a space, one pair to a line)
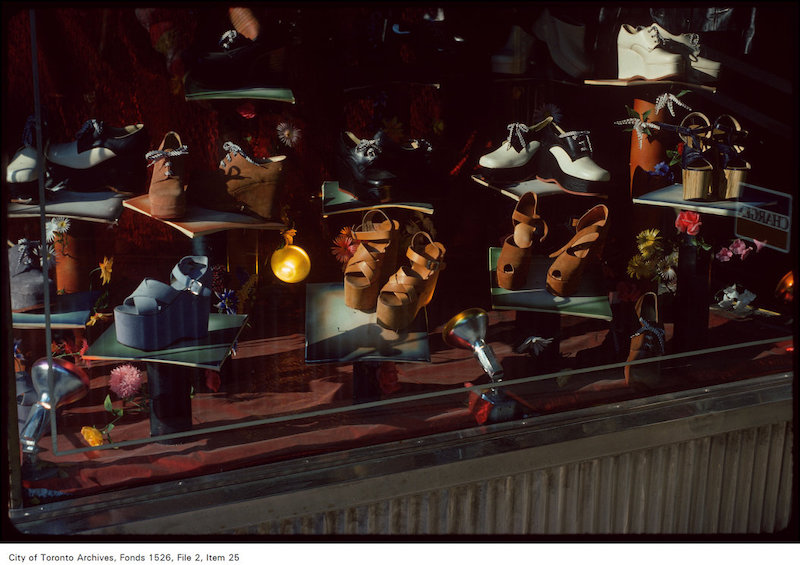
764, 215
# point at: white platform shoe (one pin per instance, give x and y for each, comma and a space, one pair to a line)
514, 159
640, 54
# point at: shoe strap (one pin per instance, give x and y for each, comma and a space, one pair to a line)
365, 260
587, 237
422, 258
653, 330
404, 285
187, 275
232, 149
151, 296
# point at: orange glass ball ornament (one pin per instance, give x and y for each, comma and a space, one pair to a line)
290, 263
785, 288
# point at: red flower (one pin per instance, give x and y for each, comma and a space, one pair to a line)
688, 222
679, 148
344, 247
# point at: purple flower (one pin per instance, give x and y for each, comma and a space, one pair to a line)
228, 302
125, 381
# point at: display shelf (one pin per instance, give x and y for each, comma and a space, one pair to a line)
337, 333
207, 353
101, 207
644, 82
672, 197
518, 189
590, 301
275, 94
67, 311
334, 201
198, 221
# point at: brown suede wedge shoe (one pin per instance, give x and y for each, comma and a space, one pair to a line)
586, 246
515, 256
167, 185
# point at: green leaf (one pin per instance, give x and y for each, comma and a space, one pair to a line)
107, 404
632, 113
682, 92
644, 116
109, 428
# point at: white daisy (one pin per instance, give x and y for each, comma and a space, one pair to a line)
289, 134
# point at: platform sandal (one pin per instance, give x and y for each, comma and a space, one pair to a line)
411, 288
648, 341
156, 315
696, 161
586, 246
374, 259
515, 256
726, 138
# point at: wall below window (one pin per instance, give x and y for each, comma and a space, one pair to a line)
708, 461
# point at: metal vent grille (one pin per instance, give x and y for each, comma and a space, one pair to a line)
736, 482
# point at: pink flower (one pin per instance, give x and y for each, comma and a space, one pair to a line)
125, 381
724, 254
758, 244
738, 246
688, 222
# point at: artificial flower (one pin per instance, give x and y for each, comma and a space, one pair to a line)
745, 252
289, 134
96, 317
667, 99
60, 225
688, 222
724, 255
105, 269
92, 436
247, 110
228, 302
638, 268
344, 247
648, 242
394, 129
759, 244
125, 381
738, 247
288, 235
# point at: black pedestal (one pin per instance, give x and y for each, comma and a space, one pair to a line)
170, 388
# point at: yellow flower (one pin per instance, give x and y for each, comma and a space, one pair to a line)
639, 268
288, 235
92, 435
105, 269
96, 317
394, 129
649, 242
438, 127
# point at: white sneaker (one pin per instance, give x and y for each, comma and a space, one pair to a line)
511, 161
688, 44
639, 54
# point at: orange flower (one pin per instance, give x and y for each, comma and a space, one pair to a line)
96, 317
92, 435
343, 248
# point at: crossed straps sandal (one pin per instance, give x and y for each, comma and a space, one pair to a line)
697, 158
727, 137
411, 287
157, 315
564, 275
515, 256
375, 256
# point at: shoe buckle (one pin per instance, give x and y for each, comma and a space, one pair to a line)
431, 264
194, 286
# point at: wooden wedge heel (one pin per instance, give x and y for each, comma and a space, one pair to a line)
374, 259
411, 287
515, 256
586, 246
727, 137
